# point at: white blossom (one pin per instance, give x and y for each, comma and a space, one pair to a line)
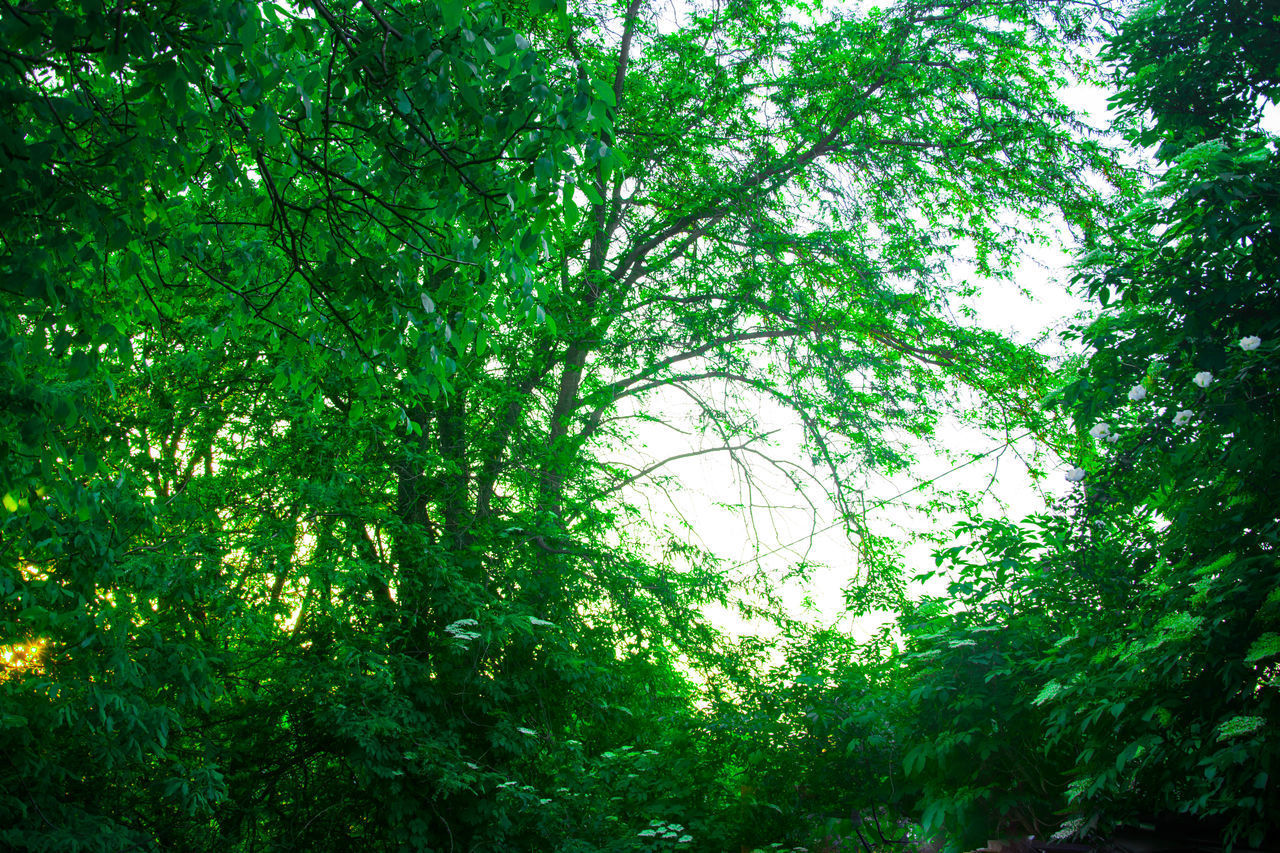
1075, 475
459, 630
1250, 343
1137, 392
1100, 431
1182, 417
1202, 379
1112, 438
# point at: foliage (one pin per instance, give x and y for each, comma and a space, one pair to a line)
218, 220
1114, 662
1194, 282
320, 324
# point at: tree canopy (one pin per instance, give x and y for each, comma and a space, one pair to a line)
1112, 663
327, 330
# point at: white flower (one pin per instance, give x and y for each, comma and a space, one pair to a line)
1112, 438
459, 630
1075, 475
1202, 379
1182, 417
1250, 343
1137, 392
1100, 431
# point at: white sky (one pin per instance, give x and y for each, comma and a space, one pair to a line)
707, 480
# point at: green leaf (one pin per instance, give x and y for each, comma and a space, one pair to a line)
1127, 754
1266, 646
1239, 725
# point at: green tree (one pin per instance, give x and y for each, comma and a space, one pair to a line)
1194, 328
219, 218
317, 326
1137, 632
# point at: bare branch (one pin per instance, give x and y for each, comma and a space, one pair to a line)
649, 469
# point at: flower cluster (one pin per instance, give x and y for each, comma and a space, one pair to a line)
659, 829
461, 630
1202, 380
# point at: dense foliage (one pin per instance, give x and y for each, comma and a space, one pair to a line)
326, 331
1114, 663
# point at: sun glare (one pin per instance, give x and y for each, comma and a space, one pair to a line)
16, 658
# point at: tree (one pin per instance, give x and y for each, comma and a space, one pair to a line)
210, 210
307, 515
1194, 278
1137, 629
808, 225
